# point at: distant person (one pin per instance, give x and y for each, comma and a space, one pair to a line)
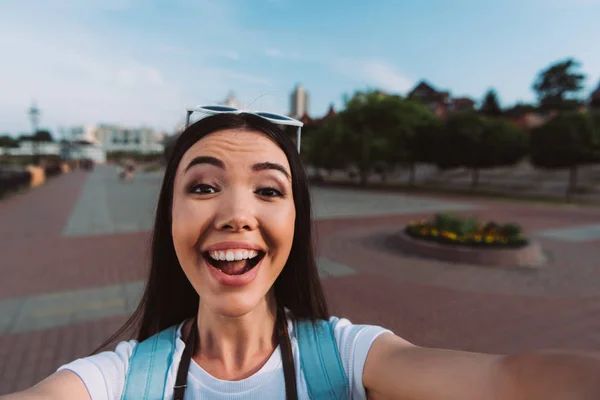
127, 170
233, 292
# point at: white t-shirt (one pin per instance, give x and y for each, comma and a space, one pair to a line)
104, 374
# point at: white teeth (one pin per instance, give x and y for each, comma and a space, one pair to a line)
233, 254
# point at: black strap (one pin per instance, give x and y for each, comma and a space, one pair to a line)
285, 346
287, 356
184, 364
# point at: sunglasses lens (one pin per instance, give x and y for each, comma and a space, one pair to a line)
273, 116
219, 108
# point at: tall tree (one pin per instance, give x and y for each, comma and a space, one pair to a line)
595, 99
43, 136
476, 142
369, 124
558, 86
490, 106
7, 142
419, 134
322, 149
567, 141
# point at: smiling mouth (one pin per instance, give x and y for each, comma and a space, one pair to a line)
233, 261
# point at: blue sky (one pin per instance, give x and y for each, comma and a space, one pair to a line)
140, 62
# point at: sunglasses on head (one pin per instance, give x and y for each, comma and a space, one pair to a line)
272, 117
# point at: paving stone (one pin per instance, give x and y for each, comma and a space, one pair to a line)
9, 311
584, 233
70, 282
334, 269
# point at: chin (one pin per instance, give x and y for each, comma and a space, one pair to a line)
239, 304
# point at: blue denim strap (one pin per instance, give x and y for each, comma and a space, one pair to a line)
149, 365
321, 362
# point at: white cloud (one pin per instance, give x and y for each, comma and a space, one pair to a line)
173, 50
232, 55
375, 72
278, 3
277, 53
569, 3
135, 74
86, 74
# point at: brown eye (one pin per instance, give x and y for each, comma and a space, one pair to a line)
269, 192
202, 189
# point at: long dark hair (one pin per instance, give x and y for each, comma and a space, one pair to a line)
169, 298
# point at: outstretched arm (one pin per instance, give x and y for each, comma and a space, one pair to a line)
399, 370
61, 385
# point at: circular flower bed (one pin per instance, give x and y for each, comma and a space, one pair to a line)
459, 231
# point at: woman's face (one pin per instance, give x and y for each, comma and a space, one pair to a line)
233, 218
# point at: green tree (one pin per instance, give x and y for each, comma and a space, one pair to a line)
7, 142
322, 148
595, 99
369, 132
42, 136
568, 140
491, 106
383, 131
559, 85
477, 142
419, 133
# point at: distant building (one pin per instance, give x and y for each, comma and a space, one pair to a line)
439, 102
527, 117
67, 150
94, 141
299, 102
308, 120
119, 138
231, 101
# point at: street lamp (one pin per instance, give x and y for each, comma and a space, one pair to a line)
34, 117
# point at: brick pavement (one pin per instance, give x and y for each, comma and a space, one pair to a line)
49, 248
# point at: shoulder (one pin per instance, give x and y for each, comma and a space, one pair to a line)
104, 373
349, 335
354, 341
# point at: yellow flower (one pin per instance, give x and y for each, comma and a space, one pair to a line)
477, 238
489, 239
434, 232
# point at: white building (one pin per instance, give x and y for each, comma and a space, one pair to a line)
299, 102
118, 138
66, 150
30, 148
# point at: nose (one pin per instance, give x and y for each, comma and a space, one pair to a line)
236, 213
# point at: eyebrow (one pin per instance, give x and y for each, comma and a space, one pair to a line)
262, 166
205, 160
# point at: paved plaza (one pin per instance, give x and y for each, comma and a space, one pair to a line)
73, 256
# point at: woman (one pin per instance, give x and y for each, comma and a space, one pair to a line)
233, 274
